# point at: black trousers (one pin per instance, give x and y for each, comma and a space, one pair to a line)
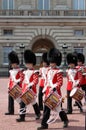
84, 89
40, 98
23, 110
46, 115
10, 104
69, 102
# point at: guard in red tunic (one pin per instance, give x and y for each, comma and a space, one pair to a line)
15, 78
82, 72
80, 66
30, 82
42, 80
72, 79
54, 82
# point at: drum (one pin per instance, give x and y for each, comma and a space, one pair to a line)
53, 100
28, 97
15, 92
77, 94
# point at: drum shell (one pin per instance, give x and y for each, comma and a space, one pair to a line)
28, 97
78, 95
15, 92
53, 100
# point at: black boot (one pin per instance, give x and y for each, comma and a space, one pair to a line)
9, 113
22, 113
10, 106
42, 127
37, 111
64, 118
21, 119
65, 124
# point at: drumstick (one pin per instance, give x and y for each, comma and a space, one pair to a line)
63, 98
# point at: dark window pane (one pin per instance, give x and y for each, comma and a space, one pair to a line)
8, 32
6, 51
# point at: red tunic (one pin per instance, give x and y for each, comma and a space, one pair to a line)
42, 73
72, 76
30, 79
15, 77
54, 80
81, 74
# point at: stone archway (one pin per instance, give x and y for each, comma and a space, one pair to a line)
39, 47
42, 45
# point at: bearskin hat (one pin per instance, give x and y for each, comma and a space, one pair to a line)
54, 56
72, 58
29, 57
13, 58
44, 58
81, 57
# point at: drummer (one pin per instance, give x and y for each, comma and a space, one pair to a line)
30, 82
15, 78
42, 74
82, 72
54, 82
72, 79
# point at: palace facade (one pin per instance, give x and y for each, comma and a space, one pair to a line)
40, 25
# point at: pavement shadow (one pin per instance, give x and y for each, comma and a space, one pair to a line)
71, 120
76, 128
69, 128
30, 115
56, 128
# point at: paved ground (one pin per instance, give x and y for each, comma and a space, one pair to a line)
77, 120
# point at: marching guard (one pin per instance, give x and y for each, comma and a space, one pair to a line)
15, 78
42, 79
82, 72
72, 80
30, 82
54, 82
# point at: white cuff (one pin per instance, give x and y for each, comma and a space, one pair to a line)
18, 80
31, 84
54, 85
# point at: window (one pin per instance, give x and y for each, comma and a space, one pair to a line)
7, 32
6, 51
78, 32
79, 4
8, 4
43, 4
78, 49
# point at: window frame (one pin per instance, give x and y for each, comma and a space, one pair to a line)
8, 5
43, 6
78, 34
76, 48
78, 5
8, 34
6, 51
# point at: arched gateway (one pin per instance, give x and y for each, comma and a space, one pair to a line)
40, 46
